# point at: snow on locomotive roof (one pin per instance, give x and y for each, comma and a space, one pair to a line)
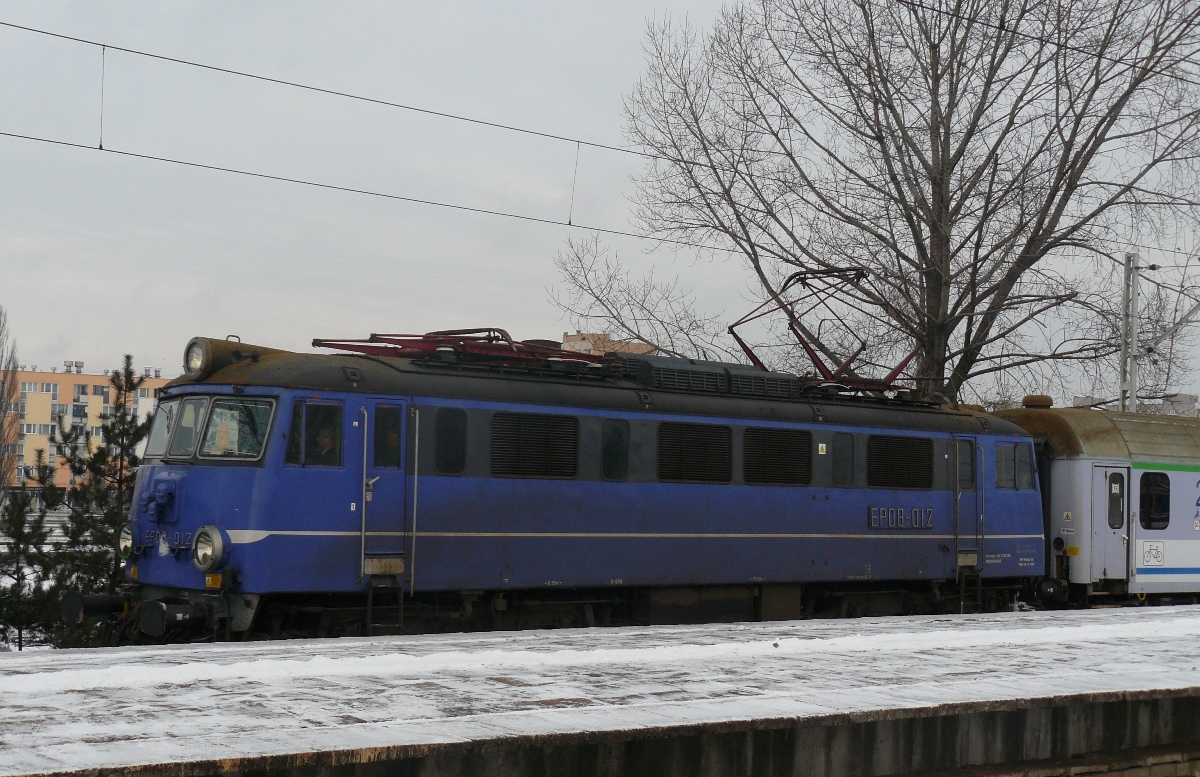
91, 711
1080, 432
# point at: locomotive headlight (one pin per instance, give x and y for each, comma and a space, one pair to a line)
125, 540
193, 356
208, 548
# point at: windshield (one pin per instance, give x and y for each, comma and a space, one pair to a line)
237, 428
187, 426
160, 430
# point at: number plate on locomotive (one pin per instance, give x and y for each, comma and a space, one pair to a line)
899, 518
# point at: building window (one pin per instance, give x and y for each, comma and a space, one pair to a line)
780, 457
899, 462
1154, 502
530, 445
695, 453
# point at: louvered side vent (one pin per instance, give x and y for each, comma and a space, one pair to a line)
762, 386
695, 453
899, 462
532, 445
778, 457
689, 380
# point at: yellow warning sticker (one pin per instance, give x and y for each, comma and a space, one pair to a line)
1066, 516
1072, 550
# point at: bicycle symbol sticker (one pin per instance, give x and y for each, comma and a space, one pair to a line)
1153, 554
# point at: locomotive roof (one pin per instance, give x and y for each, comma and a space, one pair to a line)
1080, 432
638, 383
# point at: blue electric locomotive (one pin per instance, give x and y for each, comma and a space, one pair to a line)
459, 480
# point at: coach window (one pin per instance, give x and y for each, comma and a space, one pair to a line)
315, 436
1116, 500
1154, 503
187, 427
614, 449
843, 460
450, 447
387, 436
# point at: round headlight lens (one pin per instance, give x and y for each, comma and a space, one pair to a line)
193, 357
207, 548
125, 540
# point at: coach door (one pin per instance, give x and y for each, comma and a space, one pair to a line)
1110, 522
383, 522
968, 502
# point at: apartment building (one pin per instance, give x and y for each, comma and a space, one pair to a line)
81, 398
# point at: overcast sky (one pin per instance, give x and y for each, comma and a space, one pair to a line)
102, 254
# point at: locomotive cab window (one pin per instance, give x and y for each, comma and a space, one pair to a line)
966, 465
161, 428
1014, 466
387, 436
187, 428
450, 445
236, 429
315, 436
1154, 500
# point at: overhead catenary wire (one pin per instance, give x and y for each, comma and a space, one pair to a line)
448, 205
335, 92
1045, 41
367, 192
102, 68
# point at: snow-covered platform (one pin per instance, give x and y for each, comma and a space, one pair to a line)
293, 705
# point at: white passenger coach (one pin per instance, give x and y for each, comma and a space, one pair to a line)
1121, 492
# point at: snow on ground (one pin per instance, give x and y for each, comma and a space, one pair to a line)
70, 710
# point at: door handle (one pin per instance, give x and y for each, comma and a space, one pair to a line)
371, 481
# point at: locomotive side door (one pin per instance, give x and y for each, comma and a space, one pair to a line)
383, 483
1110, 522
967, 476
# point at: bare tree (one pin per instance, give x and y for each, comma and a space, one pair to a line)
9, 395
980, 160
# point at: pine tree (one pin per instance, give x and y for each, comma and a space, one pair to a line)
101, 493
28, 597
